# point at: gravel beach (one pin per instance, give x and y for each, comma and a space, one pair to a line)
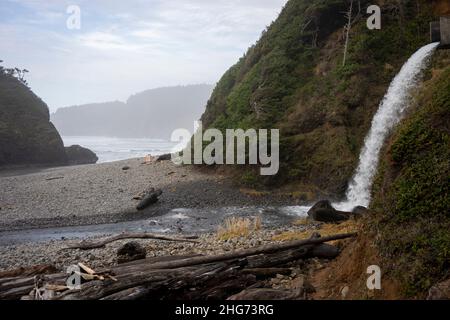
103, 193
54, 252
82, 198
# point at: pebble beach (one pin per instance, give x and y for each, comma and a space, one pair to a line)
99, 194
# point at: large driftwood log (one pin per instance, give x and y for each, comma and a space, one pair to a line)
40, 269
192, 277
267, 249
88, 245
151, 197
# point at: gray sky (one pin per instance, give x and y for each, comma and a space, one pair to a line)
124, 47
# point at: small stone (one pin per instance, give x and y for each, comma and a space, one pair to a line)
126, 168
344, 292
131, 251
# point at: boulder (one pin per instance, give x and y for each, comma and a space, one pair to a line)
360, 211
77, 155
323, 211
131, 251
164, 157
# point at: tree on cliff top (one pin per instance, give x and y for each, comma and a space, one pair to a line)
19, 74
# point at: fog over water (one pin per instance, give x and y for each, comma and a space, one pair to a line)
110, 149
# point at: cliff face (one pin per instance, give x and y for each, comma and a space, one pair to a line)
411, 194
294, 79
26, 134
150, 114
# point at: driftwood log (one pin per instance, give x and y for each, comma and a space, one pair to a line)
149, 198
88, 245
183, 277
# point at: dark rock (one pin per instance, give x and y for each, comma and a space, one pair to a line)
323, 211
126, 168
164, 157
131, 251
440, 291
26, 134
360, 211
77, 155
150, 198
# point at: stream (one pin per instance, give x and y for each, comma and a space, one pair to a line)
176, 221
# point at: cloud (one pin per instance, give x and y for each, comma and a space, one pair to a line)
105, 41
127, 46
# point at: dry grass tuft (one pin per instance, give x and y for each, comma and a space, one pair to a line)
236, 227
324, 230
303, 222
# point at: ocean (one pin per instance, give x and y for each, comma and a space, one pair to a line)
110, 149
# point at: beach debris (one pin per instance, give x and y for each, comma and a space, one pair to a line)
149, 159
150, 197
126, 168
88, 245
48, 288
191, 277
86, 268
54, 178
131, 251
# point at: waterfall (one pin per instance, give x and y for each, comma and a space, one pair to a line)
389, 114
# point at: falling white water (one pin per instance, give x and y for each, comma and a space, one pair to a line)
389, 114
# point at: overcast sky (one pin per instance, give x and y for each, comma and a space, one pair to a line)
124, 47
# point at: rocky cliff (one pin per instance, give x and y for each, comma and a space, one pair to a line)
294, 79
26, 134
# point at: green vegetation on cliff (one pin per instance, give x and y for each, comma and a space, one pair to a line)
412, 191
293, 79
26, 134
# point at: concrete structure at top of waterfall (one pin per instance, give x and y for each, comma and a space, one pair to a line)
440, 31
445, 31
